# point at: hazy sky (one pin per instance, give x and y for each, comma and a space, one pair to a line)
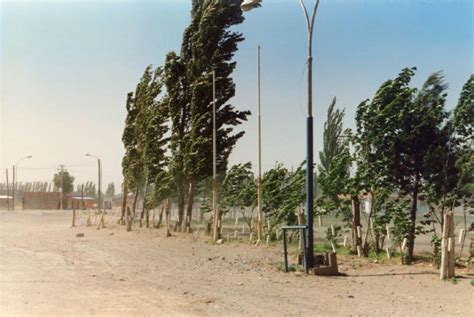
66, 67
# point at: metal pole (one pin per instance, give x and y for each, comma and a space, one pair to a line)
259, 175
8, 190
62, 190
214, 168
309, 139
99, 171
13, 187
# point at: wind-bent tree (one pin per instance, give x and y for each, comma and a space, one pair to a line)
332, 137
401, 125
208, 45
140, 111
239, 190
283, 193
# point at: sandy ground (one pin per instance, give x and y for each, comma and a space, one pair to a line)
46, 270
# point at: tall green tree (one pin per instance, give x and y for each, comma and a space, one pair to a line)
401, 125
143, 126
209, 44
110, 191
239, 190
332, 137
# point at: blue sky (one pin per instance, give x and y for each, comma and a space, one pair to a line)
66, 67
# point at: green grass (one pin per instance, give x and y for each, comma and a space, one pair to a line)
472, 282
454, 281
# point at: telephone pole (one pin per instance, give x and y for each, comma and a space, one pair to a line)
62, 188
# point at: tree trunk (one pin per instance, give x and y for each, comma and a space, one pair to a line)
142, 213
134, 206
181, 199
189, 209
160, 218
168, 218
128, 219
356, 240
147, 218
124, 204
411, 233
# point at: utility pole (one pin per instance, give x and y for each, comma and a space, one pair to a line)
13, 187
8, 190
259, 171
62, 188
15, 171
215, 213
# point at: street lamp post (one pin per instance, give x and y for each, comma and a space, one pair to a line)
259, 168
309, 139
62, 187
15, 172
249, 5
99, 180
215, 213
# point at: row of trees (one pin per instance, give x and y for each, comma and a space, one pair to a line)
168, 129
406, 147
63, 177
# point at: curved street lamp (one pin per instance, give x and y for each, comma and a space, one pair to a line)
248, 5
15, 171
99, 172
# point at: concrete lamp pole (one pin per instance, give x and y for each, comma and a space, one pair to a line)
99, 172
62, 186
215, 213
14, 178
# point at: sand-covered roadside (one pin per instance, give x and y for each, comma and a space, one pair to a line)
46, 270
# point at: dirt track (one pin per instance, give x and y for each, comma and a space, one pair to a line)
46, 270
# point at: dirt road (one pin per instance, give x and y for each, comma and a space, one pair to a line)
46, 270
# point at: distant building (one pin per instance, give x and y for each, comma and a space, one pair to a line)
75, 200
5, 202
41, 200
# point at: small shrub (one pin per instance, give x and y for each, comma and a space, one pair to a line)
472, 282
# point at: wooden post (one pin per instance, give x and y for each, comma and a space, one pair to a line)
88, 222
359, 232
333, 231
73, 217
345, 241
388, 232
404, 244
251, 237
235, 234
388, 252
462, 233
268, 238
243, 228
320, 220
